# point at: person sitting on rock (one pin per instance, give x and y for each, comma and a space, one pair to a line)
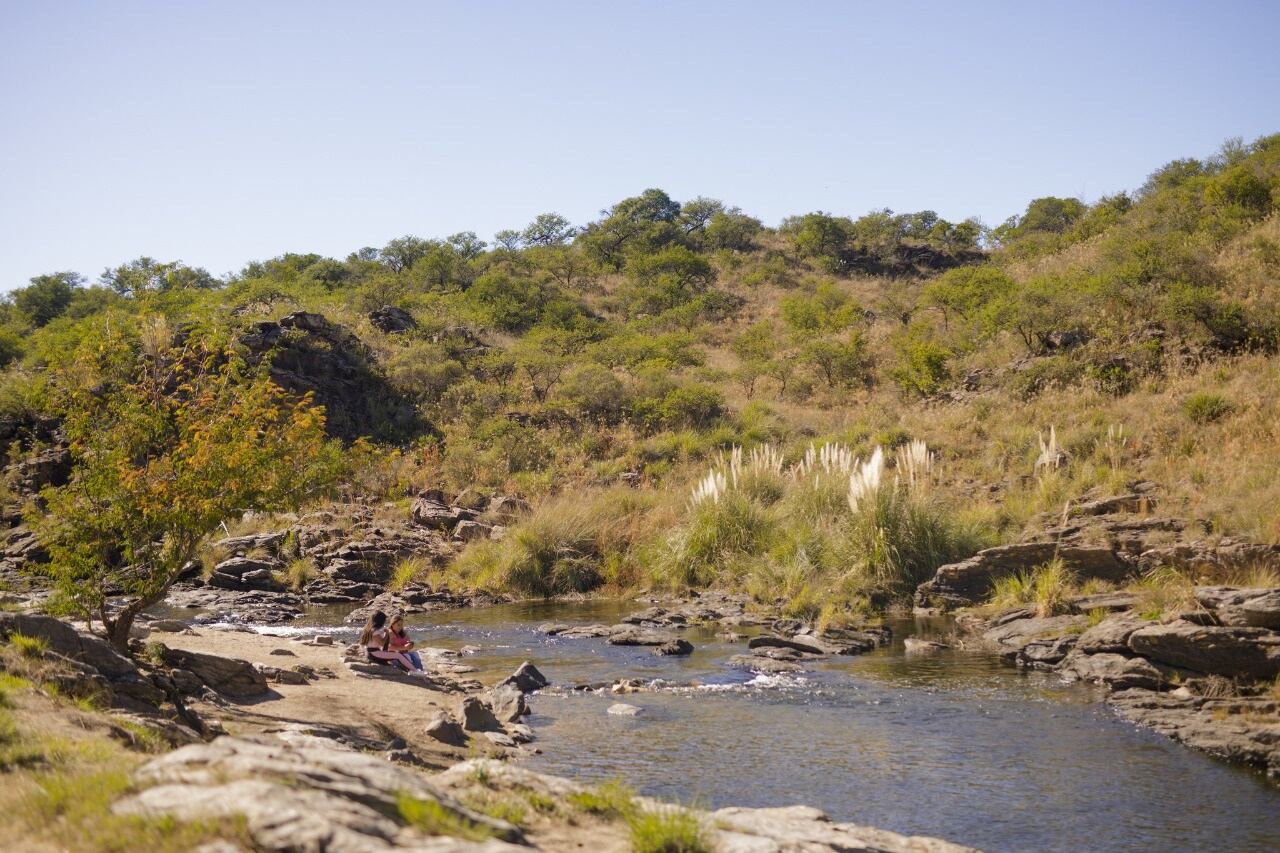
376, 639
400, 641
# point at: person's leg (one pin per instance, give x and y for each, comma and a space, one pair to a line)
393, 657
415, 659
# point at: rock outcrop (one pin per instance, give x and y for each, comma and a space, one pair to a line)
311, 355
300, 792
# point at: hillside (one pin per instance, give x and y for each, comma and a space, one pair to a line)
599, 371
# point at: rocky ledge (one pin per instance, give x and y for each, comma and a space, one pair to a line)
1206, 676
297, 791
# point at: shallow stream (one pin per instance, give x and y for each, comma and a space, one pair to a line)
955, 745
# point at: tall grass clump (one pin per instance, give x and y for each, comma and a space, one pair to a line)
668, 830
1047, 587
862, 531
570, 545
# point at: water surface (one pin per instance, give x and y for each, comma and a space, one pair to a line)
957, 745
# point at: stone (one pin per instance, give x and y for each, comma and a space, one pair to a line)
1111, 634
283, 653
527, 678
298, 792
674, 647
469, 531
445, 729
228, 676
631, 635
500, 739
1227, 651
622, 709
391, 319
507, 703
507, 508
1013, 634
68, 642
1045, 653
768, 666
803, 828
921, 646
168, 626
1257, 607
1116, 671
432, 514
477, 716
970, 581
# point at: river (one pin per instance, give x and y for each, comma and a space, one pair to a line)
955, 745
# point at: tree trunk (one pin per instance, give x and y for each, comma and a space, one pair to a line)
118, 627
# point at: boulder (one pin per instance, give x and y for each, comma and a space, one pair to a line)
1111, 634
769, 666
1116, 671
1257, 607
435, 515
1216, 650
299, 792
920, 646
527, 678
1013, 634
631, 635
469, 531
674, 647
445, 729
391, 319
64, 640
507, 508
1045, 653
507, 703
622, 709
228, 676
971, 580
477, 716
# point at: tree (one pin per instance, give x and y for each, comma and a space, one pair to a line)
508, 238
841, 362
466, 244
403, 252
548, 229
637, 225
732, 229
148, 276
697, 213
47, 297
755, 348
169, 439
668, 278
966, 290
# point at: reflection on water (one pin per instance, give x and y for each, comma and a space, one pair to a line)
954, 745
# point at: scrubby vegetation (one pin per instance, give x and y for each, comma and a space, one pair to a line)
600, 370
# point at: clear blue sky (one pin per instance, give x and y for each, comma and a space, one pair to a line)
221, 132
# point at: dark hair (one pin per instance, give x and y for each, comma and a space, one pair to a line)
375, 623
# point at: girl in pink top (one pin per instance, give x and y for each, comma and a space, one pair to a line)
400, 641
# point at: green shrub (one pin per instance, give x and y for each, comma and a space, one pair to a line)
431, 818
1203, 407
923, 365
610, 799
32, 648
1048, 587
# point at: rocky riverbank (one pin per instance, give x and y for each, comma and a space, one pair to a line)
293, 745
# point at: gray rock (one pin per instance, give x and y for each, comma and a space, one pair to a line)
68, 642
920, 646
970, 581
477, 716
168, 626
1016, 633
1227, 651
500, 739
622, 709
1116, 671
228, 676
469, 531
297, 792
391, 319
632, 635
1111, 634
769, 666
527, 678
445, 729
674, 647
1257, 608
508, 703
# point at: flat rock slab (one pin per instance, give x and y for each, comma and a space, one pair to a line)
298, 792
1216, 650
765, 665
1116, 671
622, 709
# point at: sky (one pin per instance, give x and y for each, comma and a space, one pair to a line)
222, 132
